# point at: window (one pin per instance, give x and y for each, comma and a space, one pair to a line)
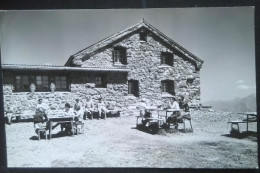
22, 83
61, 83
42, 83
119, 55
143, 36
168, 86
133, 87
167, 58
100, 81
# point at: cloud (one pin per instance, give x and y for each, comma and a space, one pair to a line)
245, 87
240, 81
47, 63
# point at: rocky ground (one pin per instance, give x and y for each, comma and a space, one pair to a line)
115, 142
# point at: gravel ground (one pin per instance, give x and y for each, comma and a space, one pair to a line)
115, 142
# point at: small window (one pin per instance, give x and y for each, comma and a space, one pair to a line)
168, 86
61, 83
143, 36
119, 55
167, 58
22, 83
42, 83
100, 81
133, 87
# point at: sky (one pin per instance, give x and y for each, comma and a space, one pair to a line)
222, 37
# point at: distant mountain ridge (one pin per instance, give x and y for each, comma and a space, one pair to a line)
246, 104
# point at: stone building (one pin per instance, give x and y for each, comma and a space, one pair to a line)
136, 63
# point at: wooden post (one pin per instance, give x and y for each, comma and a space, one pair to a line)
50, 130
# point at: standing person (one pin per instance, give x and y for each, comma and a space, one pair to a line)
9, 114
88, 108
101, 107
78, 109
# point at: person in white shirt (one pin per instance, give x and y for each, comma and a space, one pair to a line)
101, 108
68, 112
174, 105
41, 117
9, 114
78, 109
88, 108
42, 110
176, 115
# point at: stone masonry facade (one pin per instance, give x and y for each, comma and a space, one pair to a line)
144, 64
143, 58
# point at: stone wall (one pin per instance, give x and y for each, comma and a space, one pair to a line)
79, 88
143, 58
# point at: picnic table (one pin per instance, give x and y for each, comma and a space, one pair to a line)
60, 120
247, 120
151, 120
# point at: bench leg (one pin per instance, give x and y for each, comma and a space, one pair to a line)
39, 135
232, 127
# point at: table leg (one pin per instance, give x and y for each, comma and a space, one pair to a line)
72, 128
247, 123
50, 130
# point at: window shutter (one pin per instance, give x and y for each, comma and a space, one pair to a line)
136, 87
113, 56
172, 87
104, 80
124, 57
171, 59
161, 57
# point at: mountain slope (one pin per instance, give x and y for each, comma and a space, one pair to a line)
246, 104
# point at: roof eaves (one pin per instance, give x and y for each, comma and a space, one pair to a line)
61, 68
107, 40
120, 34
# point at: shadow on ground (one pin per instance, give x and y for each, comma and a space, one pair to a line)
162, 130
247, 134
57, 135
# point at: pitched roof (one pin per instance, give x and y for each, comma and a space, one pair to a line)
113, 38
62, 68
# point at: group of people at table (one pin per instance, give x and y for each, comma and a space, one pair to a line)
179, 111
80, 110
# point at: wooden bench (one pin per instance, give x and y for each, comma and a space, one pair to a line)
236, 123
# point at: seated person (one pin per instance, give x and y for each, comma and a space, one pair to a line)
78, 109
101, 108
9, 114
176, 115
111, 107
183, 103
40, 117
144, 112
88, 107
68, 112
